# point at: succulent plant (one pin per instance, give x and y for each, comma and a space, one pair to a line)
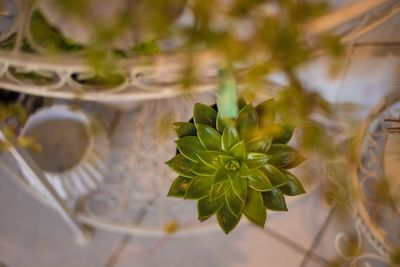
235, 167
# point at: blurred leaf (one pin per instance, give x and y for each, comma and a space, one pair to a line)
254, 208
183, 129
230, 137
238, 151
182, 166
221, 175
266, 112
226, 220
207, 208
246, 121
204, 114
284, 156
199, 187
210, 158
239, 186
274, 175
255, 160
234, 203
190, 146
274, 200
179, 187
293, 186
258, 181
209, 137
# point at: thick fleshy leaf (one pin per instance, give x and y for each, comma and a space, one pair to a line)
274, 200
183, 129
179, 187
199, 187
221, 124
239, 186
255, 160
284, 156
254, 208
285, 134
230, 137
224, 159
293, 187
207, 208
238, 151
266, 112
234, 203
202, 169
258, 181
259, 144
244, 170
210, 158
226, 220
209, 137
274, 175
204, 114
241, 103
182, 165
219, 189
246, 121
221, 175
190, 146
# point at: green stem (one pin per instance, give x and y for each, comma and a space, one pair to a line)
227, 95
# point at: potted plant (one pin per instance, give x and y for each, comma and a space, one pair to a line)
235, 167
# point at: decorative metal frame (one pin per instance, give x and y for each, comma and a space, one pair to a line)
368, 172
145, 78
150, 77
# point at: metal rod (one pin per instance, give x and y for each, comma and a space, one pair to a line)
83, 233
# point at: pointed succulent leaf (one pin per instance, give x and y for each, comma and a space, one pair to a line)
293, 186
259, 144
244, 170
238, 151
241, 103
183, 129
207, 208
266, 112
210, 158
255, 160
274, 175
204, 114
258, 181
221, 175
239, 186
190, 146
284, 134
254, 208
209, 137
199, 187
218, 190
224, 159
234, 203
202, 169
179, 187
246, 121
284, 156
230, 137
274, 200
221, 124
226, 220
182, 165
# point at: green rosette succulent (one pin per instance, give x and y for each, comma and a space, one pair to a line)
235, 167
